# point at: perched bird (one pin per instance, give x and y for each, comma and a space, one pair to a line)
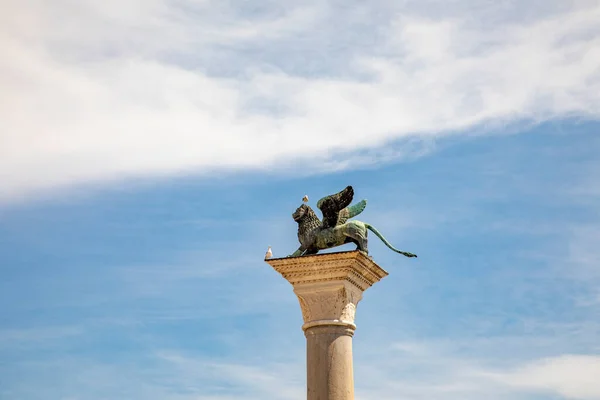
269, 253
305, 198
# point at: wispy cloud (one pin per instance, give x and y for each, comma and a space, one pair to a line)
447, 370
571, 376
42, 336
282, 381
461, 369
164, 375
95, 92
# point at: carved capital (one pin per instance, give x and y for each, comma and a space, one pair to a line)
329, 286
328, 301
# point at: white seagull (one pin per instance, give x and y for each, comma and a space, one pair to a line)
269, 253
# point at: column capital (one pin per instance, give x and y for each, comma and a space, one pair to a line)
330, 285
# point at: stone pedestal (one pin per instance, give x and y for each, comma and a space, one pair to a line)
329, 286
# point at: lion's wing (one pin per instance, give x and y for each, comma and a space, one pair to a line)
351, 211
331, 206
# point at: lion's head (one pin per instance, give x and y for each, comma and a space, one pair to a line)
307, 221
305, 213
300, 213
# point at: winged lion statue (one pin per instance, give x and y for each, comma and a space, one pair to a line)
335, 229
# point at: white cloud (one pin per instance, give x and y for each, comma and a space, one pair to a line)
100, 91
496, 368
571, 376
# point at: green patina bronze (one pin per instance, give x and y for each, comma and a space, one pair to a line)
335, 229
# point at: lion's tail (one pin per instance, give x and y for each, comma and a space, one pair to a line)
388, 244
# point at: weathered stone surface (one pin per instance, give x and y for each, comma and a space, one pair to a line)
353, 266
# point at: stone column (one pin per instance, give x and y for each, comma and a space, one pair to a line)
329, 286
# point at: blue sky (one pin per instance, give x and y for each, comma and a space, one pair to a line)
151, 151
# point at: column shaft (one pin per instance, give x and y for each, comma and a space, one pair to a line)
329, 363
